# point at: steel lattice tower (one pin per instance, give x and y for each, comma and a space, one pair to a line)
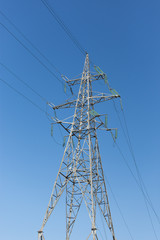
81, 172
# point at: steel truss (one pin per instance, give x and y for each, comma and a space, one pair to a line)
81, 172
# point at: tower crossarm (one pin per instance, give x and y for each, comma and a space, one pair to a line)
95, 98
64, 105
73, 82
103, 97
77, 81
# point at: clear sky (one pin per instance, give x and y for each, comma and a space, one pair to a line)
122, 37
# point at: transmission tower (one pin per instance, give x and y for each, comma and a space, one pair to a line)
81, 172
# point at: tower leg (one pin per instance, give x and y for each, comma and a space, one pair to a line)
73, 203
63, 177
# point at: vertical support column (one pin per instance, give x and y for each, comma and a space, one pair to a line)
93, 230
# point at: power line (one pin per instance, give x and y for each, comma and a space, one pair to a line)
64, 27
151, 204
21, 94
22, 34
136, 166
140, 178
28, 99
127, 137
44, 65
33, 46
140, 187
138, 173
131, 150
14, 89
20, 80
120, 210
150, 217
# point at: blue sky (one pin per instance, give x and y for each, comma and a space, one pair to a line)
122, 37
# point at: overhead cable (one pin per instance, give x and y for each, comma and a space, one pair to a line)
64, 27
120, 211
17, 91
40, 61
22, 34
141, 182
146, 200
20, 80
137, 169
139, 185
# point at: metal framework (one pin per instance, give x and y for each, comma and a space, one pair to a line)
81, 173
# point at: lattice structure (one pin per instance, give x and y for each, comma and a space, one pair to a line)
81, 172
